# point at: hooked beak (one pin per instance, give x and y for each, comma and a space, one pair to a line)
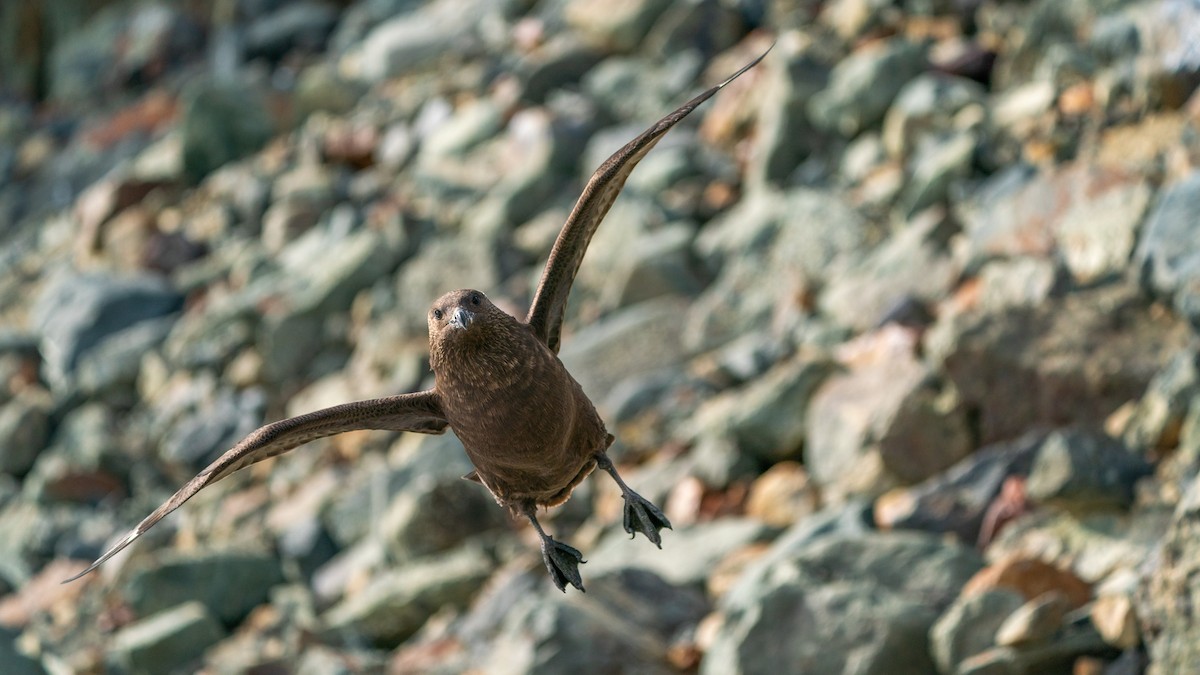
461, 319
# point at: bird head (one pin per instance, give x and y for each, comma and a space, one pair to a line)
461, 319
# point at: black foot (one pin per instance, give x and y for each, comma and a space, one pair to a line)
563, 563
640, 515
561, 560
643, 516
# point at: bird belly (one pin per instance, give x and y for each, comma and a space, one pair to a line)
537, 450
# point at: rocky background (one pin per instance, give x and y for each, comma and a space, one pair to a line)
900, 329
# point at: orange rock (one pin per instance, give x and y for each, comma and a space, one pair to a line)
1076, 99
782, 495
1030, 578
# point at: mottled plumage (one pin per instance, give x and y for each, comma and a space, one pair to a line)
526, 424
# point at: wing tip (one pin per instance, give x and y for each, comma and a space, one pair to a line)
741, 71
115, 549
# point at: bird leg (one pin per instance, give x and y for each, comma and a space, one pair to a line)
640, 514
561, 560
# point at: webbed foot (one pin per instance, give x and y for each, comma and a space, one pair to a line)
643, 516
640, 514
562, 560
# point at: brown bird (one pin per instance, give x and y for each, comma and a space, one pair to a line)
528, 428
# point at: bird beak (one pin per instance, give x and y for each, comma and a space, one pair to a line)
462, 318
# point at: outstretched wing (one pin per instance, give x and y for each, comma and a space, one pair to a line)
419, 412
550, 301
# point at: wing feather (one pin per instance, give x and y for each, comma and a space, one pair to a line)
420, 412
550, 301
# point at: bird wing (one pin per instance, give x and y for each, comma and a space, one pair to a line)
420, 412
550, 301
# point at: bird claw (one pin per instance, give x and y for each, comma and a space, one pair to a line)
563, 563
643, 516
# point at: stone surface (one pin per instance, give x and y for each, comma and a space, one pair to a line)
173, 638
1084, 469
1166, 264
228, 583
862, 86
968, 627
878, 597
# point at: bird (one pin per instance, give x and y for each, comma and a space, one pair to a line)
526, 424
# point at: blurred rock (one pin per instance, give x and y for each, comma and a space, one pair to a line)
1164, 259
228, 583
912, 264
882, 422
434, 514
1087, 215
687, 556
1166, 596
968, 627
1043, 366
633, 341
863, 85
170, 639
867, 601
1157, 420
24, 429
782, 496
222, 121
1031, 578
78, 313
395, 604
1114, 616
1035, 621
1084, 469
614, 27
770, 249
766, 419
957, 499
299, 26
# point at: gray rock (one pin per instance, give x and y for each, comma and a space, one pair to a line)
957, 499
688, 553
769, 249
111, 368
228, 583
117, 45
432, 514
395, 604
215, 425
927, 106
14, 661
618, 28
913, 263
76, 314
1155, 423
841, 604
883, 422
1041, 366
169, 640
969, 626
412, 40
628, 343
862, 86
1036, 621
221, 122
1085, 214
1085, 469
24, 428
1166, 261
625, 623
1167, 599
425, 460
300, 26
784, 136
560, 62
1093, 545
936, 165
766, 419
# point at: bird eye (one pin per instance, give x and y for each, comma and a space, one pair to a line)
437, 314
475, 299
